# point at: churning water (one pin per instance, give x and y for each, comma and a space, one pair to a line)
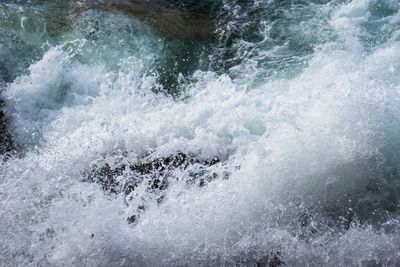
197, 133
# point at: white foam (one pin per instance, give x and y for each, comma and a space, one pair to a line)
297, 141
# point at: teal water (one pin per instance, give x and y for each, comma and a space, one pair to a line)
200, 133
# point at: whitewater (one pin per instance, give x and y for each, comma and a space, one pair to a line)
271, 137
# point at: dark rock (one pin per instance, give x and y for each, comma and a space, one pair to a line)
107, 176
7, 144
171, 19
132, 219
155, 174
272, 260
371, 263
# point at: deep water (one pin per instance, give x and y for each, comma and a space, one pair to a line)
200, 133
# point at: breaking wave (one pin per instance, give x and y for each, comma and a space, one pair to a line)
274, 141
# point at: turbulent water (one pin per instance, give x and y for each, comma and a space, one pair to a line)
268, 137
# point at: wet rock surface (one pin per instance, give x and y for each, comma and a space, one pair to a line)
171, 19
269, 259
153, 176
6, 140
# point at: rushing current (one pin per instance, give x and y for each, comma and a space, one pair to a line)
200, 133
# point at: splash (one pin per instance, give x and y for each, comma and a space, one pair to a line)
278, 147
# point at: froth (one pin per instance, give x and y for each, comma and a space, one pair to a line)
311, 160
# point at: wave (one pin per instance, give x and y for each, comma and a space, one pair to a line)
273, 143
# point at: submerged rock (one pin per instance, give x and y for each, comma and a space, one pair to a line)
188, 29
170, 19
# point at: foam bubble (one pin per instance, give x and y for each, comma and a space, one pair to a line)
312, 160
